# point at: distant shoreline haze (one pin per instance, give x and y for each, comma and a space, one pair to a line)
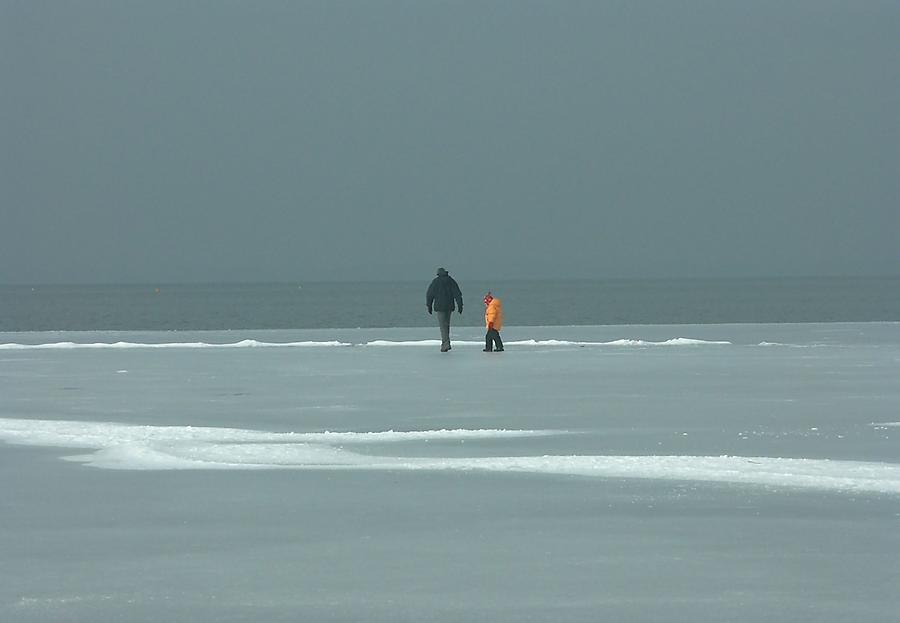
427, 276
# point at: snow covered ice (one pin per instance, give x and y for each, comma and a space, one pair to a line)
122, 446
653, 473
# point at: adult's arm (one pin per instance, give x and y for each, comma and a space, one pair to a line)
429, 297
457, 294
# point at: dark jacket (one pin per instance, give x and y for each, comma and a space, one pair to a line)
442, 292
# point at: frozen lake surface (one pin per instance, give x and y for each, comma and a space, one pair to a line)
643, 473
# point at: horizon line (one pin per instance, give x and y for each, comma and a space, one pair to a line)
301, 282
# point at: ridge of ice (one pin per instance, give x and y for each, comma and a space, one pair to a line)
678, 341
75, 434
241, 344
414, 342
134, 447
791, 345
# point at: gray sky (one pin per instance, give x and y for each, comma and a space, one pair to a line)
290, 141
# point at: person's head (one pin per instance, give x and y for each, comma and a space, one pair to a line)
442, 272
488, 298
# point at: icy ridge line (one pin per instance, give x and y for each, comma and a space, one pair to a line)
678, 341
241, 344
76, 434
136, 447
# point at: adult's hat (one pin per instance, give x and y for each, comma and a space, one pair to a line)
441, 271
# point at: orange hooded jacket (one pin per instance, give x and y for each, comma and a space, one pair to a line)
493, 313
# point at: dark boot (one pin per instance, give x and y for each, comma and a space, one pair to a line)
493, 340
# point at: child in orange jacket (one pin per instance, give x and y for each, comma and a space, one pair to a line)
493, 320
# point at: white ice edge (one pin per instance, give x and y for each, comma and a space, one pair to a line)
132, 447
75, 434
782, 345
123, 345
678, 341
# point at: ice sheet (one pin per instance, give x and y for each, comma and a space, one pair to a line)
585, 472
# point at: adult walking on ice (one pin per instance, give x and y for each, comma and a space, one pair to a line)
443, 294
493, 321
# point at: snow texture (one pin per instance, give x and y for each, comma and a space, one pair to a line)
121, 446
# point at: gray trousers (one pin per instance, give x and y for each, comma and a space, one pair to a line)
444, 323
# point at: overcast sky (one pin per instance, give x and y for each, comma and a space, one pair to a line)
297, 141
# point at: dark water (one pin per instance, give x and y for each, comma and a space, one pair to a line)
402, 304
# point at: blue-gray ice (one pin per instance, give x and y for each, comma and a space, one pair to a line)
652, 473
